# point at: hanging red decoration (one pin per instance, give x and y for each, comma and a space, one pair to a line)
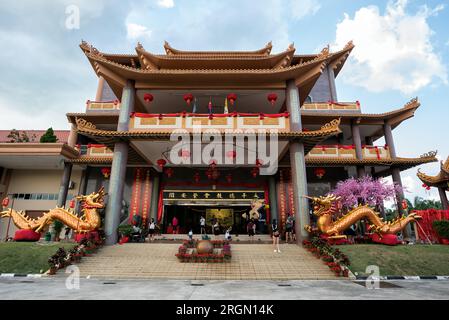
196, 177
425, 186
232, 97
254, 172
320, 172
213, 163
404, 204
231, 154
106, 172
5, 202
185, 154
188, 98
72, 203
148, 97
169, 172
272, 97
161, 163
229, 178
259, 163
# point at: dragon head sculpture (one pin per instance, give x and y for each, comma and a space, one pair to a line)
324, 205
93, 200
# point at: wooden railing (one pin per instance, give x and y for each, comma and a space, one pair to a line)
332, 105
102, 105
191, 121
348, 152
94, 150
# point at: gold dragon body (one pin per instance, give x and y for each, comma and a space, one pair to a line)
89, 221
325, 208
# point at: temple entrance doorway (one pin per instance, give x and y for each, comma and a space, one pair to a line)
189, 218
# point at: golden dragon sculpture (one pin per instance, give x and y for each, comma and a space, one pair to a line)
89, 221
326, 207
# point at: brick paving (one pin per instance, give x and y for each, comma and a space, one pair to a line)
249, 262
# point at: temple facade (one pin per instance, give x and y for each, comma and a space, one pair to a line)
189, 133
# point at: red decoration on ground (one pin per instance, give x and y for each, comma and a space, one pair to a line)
161, 163
272, 97
188, 98
5, 202
148, 97
106, 172
320, 172
388, 239
26, 235
232, 97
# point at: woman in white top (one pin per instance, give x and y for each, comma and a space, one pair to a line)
152, 229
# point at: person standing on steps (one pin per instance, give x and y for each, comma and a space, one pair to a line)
275, 235
289, 228
152, 229
202, 225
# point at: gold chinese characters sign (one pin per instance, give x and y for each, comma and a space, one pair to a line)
228, 195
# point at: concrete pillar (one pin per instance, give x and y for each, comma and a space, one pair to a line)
298, 164
73, 136
389, 139
273, 199
331, 77
358, 147
99, 95
118, 167
155, 196
443, 198
64, 186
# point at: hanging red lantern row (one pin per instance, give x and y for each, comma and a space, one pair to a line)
5, 202
169, 172
320, 172
161, 163
196, 177
425, 186
188, 98
148, 97
272, 97
106, 172
232, 97
255, 172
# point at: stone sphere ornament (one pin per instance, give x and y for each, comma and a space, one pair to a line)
204, 246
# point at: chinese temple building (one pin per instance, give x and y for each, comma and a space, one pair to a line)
176, 134
440, 181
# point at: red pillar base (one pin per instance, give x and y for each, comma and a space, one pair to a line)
27, 236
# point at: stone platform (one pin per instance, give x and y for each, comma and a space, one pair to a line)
158, 261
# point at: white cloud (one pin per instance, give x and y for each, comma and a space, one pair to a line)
166, 3
409, 184
302, 8
135, 31
393, 50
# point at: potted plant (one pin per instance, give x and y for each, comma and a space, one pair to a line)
57, 227
441, 227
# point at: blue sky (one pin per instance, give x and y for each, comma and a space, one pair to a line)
402, 51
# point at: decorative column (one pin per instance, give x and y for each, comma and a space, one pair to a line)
298, 164
273, 199
155, 196
355, 128
73, 136
118, 167
64, 187
443, 198
99, 95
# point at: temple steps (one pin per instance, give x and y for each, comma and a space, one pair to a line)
158, 261
243, 238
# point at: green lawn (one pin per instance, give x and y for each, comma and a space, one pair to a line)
412, 260
28, 257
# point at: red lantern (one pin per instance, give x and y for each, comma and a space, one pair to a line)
213, 163
169, 172
404, 204
196, 177
188, 98
5, 202
254, 172
232, 97
259, 163
231, 154
185, 154
72, 203
229, 178
272, 97
320, 172
161, 163
106, 172
148, 97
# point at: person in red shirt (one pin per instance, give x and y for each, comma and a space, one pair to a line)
175, 225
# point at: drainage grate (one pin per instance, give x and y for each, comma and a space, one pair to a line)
382, 284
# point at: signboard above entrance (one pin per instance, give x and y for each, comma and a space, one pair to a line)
212, 195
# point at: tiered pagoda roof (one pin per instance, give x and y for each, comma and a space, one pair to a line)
440, 180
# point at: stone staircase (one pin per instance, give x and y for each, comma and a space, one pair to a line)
158, 261
243, 238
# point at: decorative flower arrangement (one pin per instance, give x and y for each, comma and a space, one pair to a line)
332, 257
62, 258
224, 256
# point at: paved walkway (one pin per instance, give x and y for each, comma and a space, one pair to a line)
249, 262
55, 289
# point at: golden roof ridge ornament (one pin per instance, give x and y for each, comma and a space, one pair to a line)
84, 124
430, 154
333, 125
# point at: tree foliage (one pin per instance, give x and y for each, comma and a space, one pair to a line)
49, 136
16, 136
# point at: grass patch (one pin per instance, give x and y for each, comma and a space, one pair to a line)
406, 260
28, 257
